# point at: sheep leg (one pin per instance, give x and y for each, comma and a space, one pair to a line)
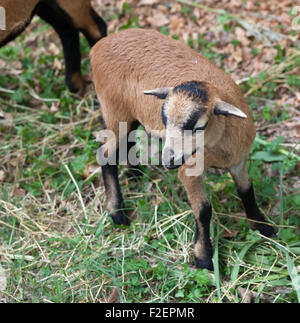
195, 189
113, 194
95, 29
246, 192
85, 18
134, 170
111, 151
69, 36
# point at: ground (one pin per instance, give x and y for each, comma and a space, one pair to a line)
57, 242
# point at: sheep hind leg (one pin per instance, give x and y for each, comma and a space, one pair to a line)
246, 193
69, 36
85, 18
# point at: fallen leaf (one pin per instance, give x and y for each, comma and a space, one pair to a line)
241, 36
147, 2
158, 20
54, 107
57, 64
53, 49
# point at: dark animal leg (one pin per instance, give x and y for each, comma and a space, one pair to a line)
133, 171
114, 195
69, 35
246, 193
100, 23
195, 189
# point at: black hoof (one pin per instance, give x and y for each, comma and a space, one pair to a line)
204, 263
120, 217
266, 230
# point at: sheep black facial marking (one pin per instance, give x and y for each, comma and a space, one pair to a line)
183, 111
186, 105
192, 120
195, 90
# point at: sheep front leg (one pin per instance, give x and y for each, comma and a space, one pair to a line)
113, 190
246, 193
195, 189
113, 194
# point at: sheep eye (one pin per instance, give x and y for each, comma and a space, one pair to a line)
200, 128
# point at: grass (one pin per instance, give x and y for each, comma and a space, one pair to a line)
59, 245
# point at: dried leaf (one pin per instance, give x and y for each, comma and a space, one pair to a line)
2, 175
147, 2
54, 107
57, 64
53, 49
158, 20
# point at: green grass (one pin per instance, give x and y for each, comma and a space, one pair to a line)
59, 245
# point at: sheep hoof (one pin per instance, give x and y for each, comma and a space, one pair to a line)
205, 263
121, 218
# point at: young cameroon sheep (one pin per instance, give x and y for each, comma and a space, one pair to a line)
67, 17
197, 96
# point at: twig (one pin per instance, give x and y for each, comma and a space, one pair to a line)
78, 191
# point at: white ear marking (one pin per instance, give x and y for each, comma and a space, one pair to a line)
224, 108
160, 93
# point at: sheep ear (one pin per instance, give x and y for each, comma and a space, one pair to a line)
226, 109
161, 93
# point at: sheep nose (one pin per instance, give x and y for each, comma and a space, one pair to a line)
169, 159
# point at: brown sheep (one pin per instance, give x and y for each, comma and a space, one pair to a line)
68, 18
197, 96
